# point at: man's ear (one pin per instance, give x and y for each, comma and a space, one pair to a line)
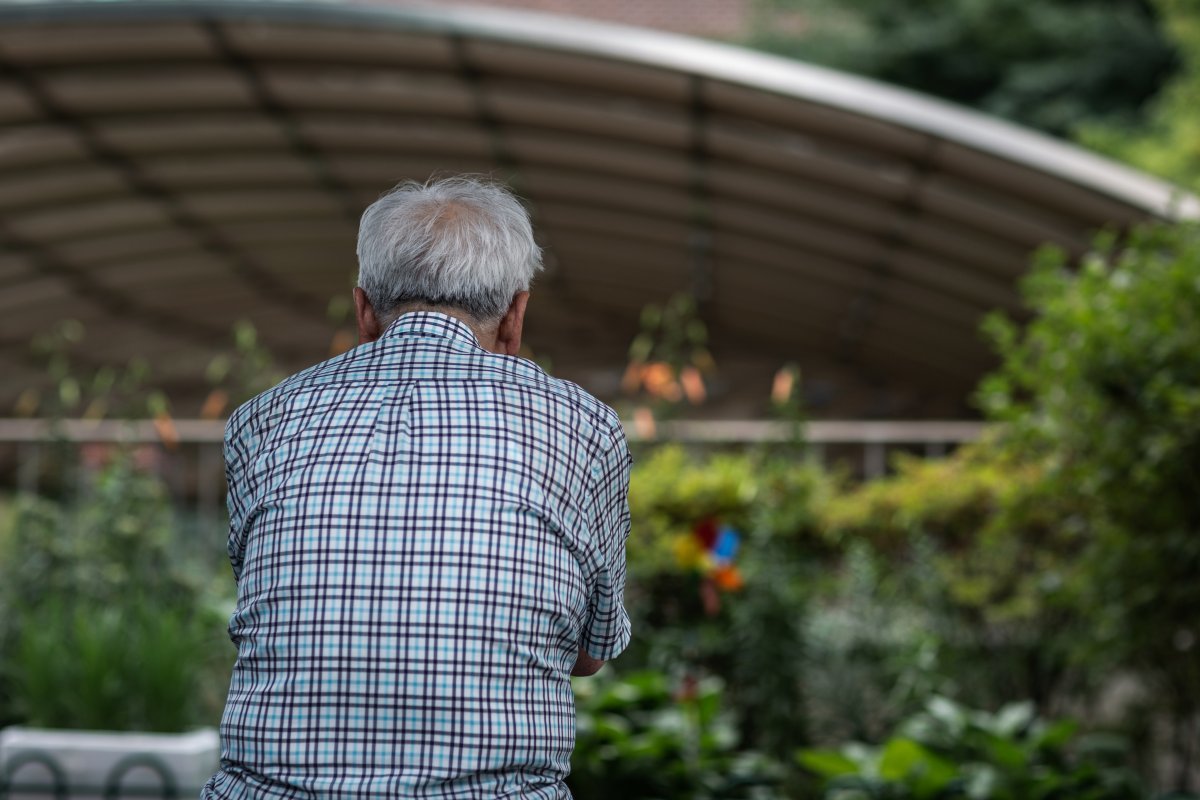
369, 328
508, 335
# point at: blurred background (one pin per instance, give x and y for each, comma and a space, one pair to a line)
899, 301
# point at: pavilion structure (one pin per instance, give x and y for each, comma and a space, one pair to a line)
168, 168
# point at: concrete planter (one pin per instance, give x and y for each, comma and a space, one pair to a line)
39, 763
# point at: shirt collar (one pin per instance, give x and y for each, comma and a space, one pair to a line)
430, 323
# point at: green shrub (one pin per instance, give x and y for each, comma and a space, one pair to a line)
948, 751
1064, 549
1103, 388
753, 638
112, 618
130, 666
1165, 138
983, 558
638, 739
671, 489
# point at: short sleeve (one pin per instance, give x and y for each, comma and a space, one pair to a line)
607, 630
237, 498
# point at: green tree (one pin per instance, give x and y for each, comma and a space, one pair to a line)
1051, 65
1166, 141
1103, 387
1071, 540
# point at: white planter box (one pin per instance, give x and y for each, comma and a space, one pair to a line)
88, 759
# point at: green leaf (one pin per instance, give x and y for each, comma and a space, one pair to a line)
1056, 735
982, 782
901, 757
1007, 753
1013, 718
947, 712
826, 763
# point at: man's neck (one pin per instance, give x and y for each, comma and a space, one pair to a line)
485, 334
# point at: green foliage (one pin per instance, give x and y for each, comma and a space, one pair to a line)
978, 571
110, 618
669, 357
764, 646
1050, 65
638, 739
132, 665
1002, 550
1044, 560
1103, 387
872, 652
754, 641
1105, 383
948, 751
670, 490
117, 537
248, 370
672, 333
92, 394
1165, 139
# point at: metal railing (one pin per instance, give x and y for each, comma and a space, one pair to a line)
15, 781
189, 450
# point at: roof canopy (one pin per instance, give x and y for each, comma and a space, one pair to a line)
169, 168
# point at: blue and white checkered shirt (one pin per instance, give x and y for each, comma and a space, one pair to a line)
424, 534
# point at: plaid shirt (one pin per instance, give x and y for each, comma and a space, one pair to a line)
423, 535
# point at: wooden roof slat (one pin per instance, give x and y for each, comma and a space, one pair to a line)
97, 90
575, 71
172, 133
24, 147
59, 185
72, 44
60, 223
340, 88
330, 44
566, 113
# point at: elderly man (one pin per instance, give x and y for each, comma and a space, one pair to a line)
427, 532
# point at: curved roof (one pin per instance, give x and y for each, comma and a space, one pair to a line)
167, 168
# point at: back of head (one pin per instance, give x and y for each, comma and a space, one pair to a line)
460, 242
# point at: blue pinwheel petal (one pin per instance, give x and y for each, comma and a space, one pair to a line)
726, 546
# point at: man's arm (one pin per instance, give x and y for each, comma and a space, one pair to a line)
606, 629
585, 665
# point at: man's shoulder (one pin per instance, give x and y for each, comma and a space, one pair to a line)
251, 416
599, 413
593, 411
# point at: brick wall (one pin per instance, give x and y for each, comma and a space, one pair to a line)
720, 19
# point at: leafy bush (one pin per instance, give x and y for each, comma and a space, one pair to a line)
111, 618
670, 490
985, 556
751, 635
872, 653
1103, 388
948, 751
132, 666
638, 739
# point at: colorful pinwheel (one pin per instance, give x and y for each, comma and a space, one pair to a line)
709, 551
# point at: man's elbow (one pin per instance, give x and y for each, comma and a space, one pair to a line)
585, 665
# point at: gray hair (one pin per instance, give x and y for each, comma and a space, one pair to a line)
461, 242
